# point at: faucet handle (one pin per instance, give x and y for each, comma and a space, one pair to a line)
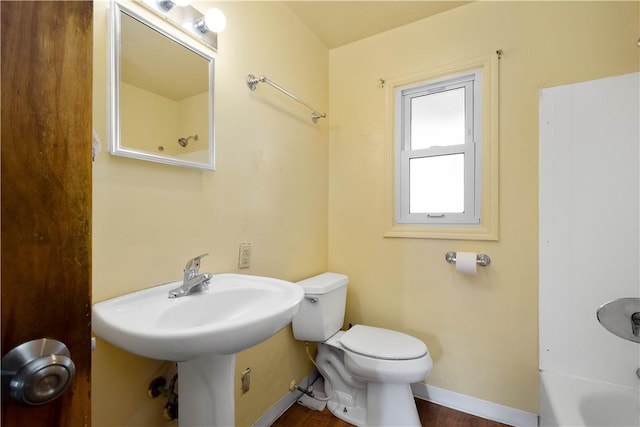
194, 263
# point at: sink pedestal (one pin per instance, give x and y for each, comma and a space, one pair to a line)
206, 391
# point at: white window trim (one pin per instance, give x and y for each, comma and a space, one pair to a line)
487, 228
472, 149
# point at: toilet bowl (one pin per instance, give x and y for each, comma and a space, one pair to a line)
368, 371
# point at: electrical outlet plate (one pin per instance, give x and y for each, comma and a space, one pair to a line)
244, 257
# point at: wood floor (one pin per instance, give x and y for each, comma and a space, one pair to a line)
431, 415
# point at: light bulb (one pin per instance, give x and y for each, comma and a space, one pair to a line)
214, 20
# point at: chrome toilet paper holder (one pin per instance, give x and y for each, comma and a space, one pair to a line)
482, 260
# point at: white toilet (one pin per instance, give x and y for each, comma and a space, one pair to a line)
368, 371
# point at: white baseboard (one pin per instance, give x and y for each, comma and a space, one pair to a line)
440, 396
283, 404
474, 406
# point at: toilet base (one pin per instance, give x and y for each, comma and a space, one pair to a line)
391, 405
385, 405
349, 406
364, 403
351, 414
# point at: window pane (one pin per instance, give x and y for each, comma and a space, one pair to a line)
438, 119
436, 184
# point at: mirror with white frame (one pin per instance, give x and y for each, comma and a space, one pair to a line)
161, 93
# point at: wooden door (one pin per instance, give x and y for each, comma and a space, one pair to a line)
46, 65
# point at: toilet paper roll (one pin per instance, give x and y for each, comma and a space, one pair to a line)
466, 262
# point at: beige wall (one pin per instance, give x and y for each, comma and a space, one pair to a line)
155, 121
481, 330
193, 119
270, 188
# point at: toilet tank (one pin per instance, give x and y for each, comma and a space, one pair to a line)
321, 312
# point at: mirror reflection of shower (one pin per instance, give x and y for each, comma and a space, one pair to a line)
185, 141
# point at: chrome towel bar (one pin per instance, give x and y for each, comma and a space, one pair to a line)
252, 82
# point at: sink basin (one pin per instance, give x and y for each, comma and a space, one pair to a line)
235, 312
202, 332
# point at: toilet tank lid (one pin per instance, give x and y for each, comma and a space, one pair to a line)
323, 283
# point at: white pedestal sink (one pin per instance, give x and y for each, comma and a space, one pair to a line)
202, 332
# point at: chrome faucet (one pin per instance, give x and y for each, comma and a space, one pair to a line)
193, 281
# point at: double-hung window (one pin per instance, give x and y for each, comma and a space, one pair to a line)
438, 150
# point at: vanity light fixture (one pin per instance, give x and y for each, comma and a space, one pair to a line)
167, 5
187, 18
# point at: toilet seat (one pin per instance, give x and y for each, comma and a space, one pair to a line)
382, 343
384, 356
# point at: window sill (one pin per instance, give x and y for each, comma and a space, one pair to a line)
413, 231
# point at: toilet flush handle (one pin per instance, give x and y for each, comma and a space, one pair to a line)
311, 299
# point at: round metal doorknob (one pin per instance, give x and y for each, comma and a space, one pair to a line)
37, 372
